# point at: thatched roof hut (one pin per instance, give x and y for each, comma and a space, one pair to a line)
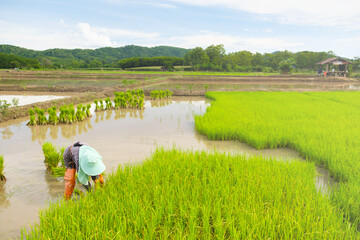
336, 61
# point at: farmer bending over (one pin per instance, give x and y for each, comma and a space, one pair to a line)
87, 162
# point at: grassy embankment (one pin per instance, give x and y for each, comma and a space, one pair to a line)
322, 126
176, 194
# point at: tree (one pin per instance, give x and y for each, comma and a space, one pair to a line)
286, 65
95, 64
196, 57
168, 66
215, 54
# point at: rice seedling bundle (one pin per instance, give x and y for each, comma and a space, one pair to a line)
160, 94
322, 126
53, 157
132, 99
196, 195
2, 176
32, 117
67, 115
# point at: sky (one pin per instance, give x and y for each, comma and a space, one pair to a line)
252, 25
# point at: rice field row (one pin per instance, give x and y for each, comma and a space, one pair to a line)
322, 126
197, 195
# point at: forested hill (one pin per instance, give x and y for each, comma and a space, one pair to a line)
105, 55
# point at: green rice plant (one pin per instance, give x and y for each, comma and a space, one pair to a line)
79, 113
108, 104
101, 104
32, 121
72, 113
141, 103
117, 102
197, 195
53, 157
140, 93
2, 176
322, 126
62, 115
53, 119
88, 114
51, 154
97, 107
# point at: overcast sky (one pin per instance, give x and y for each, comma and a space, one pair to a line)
253, 25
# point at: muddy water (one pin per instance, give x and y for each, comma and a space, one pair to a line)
120, 136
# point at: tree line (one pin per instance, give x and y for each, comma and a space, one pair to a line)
212, 58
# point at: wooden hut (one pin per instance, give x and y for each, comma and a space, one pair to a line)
336, 61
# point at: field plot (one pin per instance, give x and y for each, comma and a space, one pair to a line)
322, 127
180, 194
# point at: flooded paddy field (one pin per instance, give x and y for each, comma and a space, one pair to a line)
120, 136
29, 97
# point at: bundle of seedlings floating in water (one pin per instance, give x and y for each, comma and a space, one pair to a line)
67, 115
2, 176
53, 157
123, 100
161, 94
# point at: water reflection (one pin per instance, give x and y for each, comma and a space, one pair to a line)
4, 202
160, 103
68, 131
54, 185
7, 133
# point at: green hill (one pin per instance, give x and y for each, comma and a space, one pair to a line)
107, 55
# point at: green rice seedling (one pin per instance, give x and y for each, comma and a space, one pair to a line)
2, 176
108, 104
79, 113
155, 94
72, 112
123, 102
301, 121
197, 195
68, 115
135, 102
101, 104
52, 156
53, 119
140, 93
88, 114
97, 107
62, 115
32, 121
141, 103
41, 120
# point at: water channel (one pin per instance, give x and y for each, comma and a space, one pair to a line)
120, 136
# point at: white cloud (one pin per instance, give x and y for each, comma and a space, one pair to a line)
235, 43
125, 33
65, 35
306, 12
93, 38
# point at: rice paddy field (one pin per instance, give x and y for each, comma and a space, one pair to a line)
322, 126
193, 194
196, 195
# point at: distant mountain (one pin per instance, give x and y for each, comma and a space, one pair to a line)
106, 55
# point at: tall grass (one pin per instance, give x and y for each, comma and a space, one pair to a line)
322, 126
196, 195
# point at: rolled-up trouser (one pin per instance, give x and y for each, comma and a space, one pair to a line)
69, 182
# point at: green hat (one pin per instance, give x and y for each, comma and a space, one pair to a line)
90, 163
